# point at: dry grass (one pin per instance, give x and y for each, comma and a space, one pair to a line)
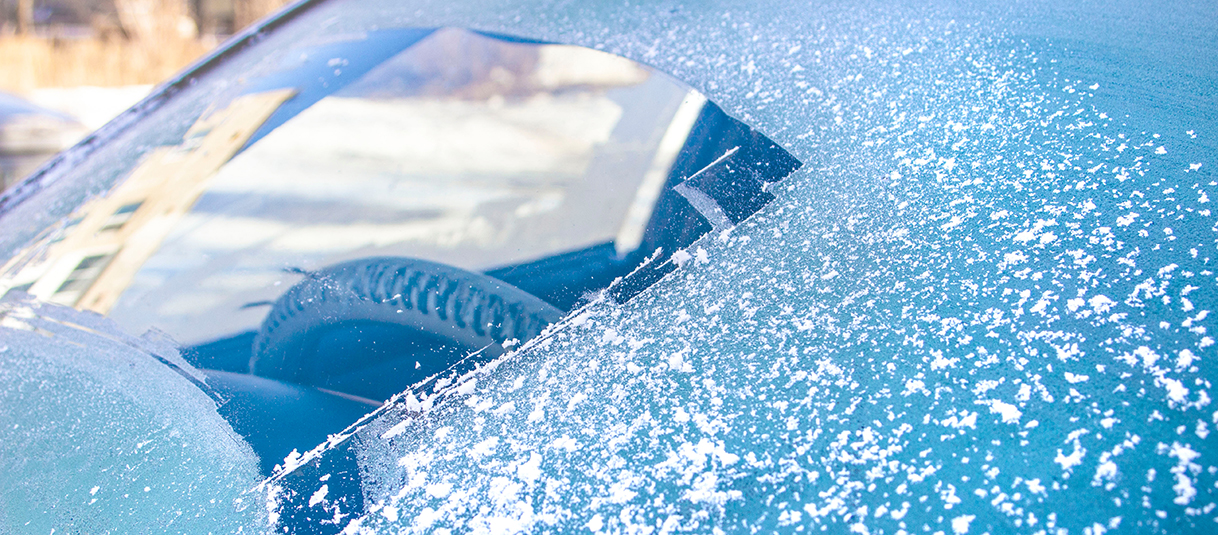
28, 63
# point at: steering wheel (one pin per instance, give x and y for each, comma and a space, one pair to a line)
388, 320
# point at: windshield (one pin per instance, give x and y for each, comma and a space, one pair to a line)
538, 165
359, 212
515, 153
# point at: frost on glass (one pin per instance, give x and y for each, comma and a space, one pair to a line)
984, 306
104, 433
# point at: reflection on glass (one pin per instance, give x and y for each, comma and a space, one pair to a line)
467, 151
382, 205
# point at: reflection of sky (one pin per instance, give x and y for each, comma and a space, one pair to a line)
472, 183
318, 72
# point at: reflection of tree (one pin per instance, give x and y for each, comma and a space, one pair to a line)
453, 63
155, 21
246, 12
456, 63
68, 43
25, 16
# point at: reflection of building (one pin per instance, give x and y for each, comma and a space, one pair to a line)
109, 239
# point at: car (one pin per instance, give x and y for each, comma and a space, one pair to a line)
543, 266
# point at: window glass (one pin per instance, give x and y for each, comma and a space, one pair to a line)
364, 211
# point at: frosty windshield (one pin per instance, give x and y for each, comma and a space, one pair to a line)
362, 211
